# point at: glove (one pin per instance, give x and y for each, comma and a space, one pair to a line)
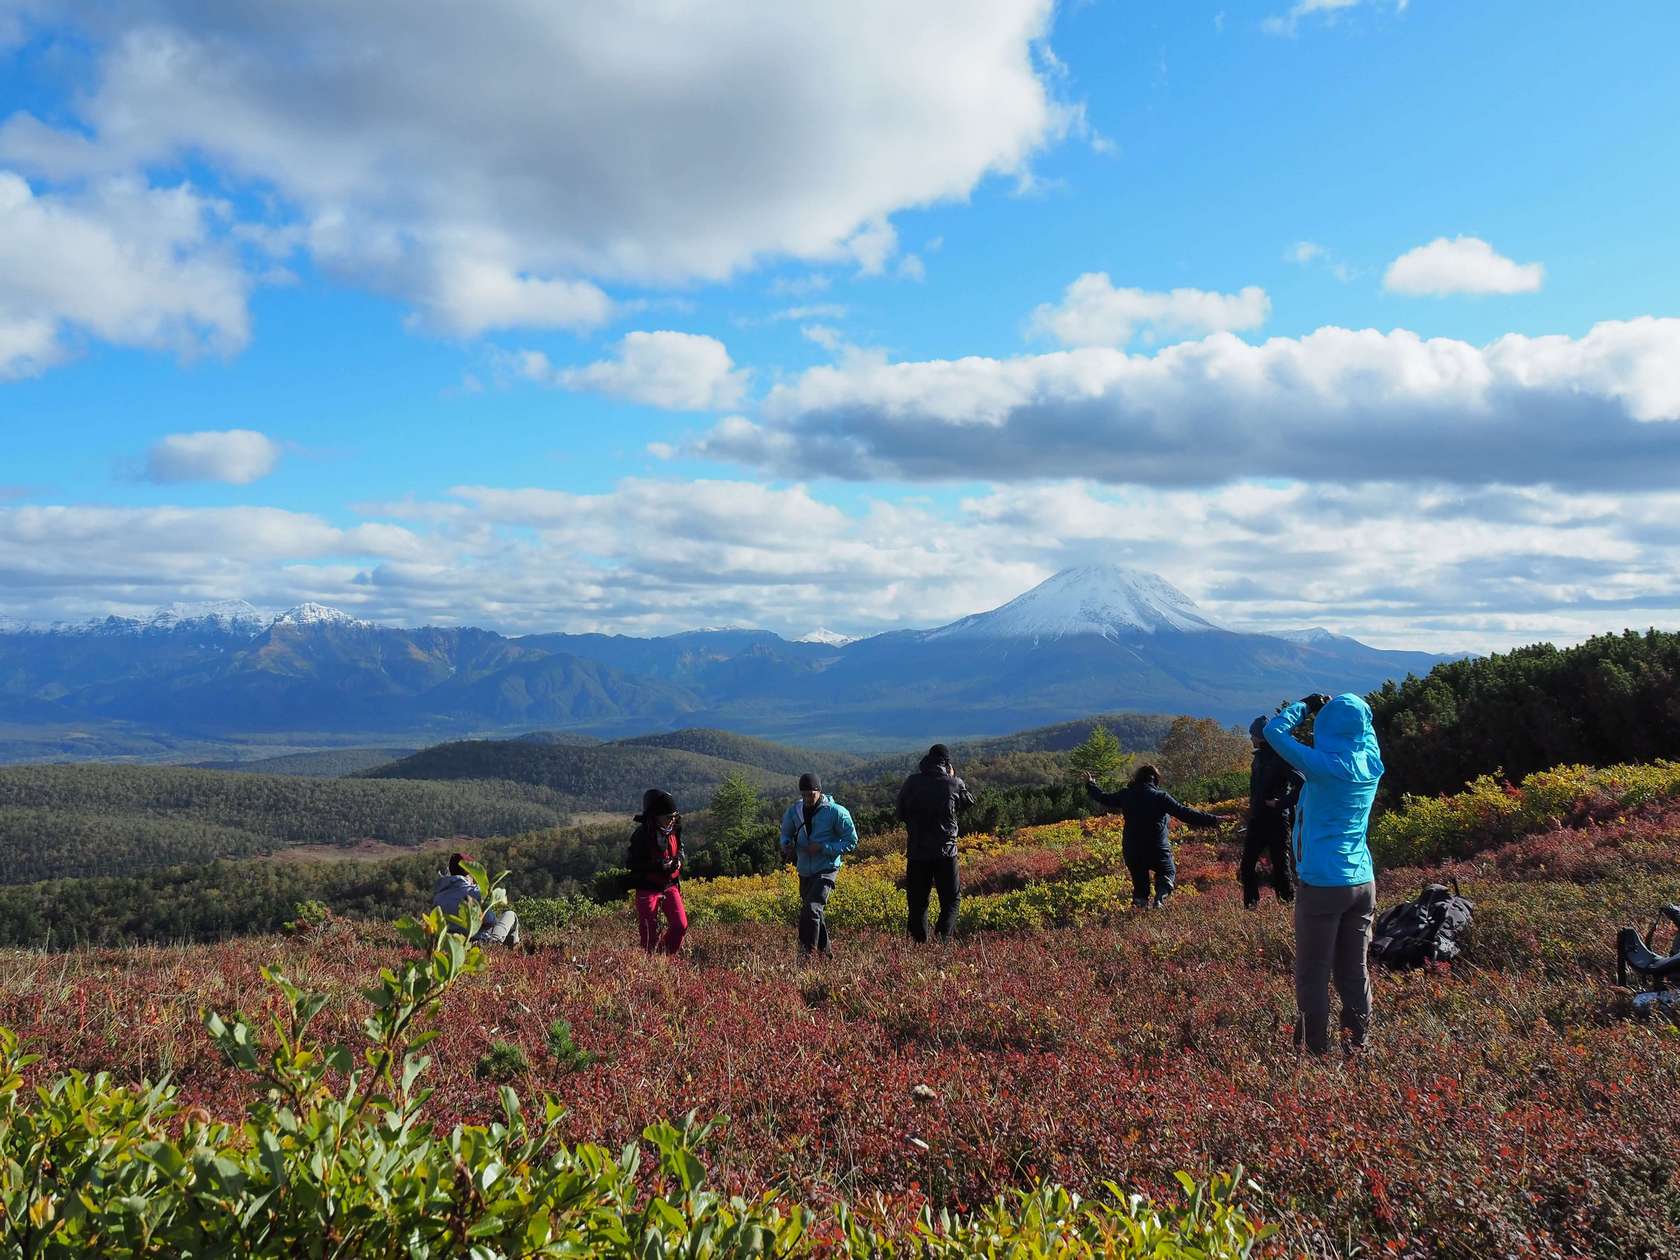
1315, 702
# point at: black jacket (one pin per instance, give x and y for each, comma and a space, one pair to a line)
652, 868
1271, 778
1146, 809
928, 804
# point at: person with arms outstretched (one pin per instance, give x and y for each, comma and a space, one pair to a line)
1336, 893
1144, 842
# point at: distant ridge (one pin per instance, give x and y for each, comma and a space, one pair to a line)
1097, 637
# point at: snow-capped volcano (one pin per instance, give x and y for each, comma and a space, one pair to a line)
1097, 599
828, 638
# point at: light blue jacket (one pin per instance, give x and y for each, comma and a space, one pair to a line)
832, 831
1342, 769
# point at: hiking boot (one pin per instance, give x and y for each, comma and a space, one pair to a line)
1356, 1029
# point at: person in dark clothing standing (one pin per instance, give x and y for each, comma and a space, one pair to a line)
928, 805
1144, 843
655, 859
1273, 787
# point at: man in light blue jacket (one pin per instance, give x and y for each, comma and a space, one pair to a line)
816, 834
1337, 897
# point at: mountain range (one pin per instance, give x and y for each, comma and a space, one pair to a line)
1099, 637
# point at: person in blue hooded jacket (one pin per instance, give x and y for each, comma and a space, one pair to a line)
816, 834
1336, 894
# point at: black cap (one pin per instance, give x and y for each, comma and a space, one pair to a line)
657, 801
1256, 726
809, 782
939, 753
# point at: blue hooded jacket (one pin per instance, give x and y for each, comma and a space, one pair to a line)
1342, 769
832, 831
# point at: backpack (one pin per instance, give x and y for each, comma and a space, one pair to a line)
1433, 928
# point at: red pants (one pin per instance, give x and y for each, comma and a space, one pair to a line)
648, 905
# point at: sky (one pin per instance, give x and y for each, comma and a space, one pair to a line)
657, 315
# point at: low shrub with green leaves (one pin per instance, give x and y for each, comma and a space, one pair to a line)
1430, 829
337, 1159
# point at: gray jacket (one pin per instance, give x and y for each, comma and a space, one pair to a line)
451, 890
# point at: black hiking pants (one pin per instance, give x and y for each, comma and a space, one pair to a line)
1268, 837
921, 877
1148, 860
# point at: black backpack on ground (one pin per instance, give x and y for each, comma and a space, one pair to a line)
1433, 928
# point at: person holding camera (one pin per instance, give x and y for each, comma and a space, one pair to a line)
1144, 842
1273, 787
1336, 896
655, 859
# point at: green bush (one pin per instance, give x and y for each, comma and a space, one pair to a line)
568, 1056
502, 1062
1430, 829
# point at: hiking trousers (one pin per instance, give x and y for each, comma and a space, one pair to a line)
1268, 837
922, 876
1332, 933
648, 905
1145, 861
814, 892
502, 929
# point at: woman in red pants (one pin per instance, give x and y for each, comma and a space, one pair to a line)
655, 861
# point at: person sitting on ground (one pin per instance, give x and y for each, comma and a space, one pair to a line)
1144, 842
928, 805
655, 860
1273, 786
500, 927
816, 832
1336, 895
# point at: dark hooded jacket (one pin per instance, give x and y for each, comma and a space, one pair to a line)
928, 805
655, 861
1271, 778
1146, 809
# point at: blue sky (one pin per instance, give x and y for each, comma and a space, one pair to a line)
1351, 312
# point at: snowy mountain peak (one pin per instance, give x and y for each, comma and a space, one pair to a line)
318, 615
1312, 634
828, 638
1097, 599
223, 614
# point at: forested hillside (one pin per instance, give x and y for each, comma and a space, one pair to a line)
748, 750
328, 763
612, 776
1614, 698
68, 820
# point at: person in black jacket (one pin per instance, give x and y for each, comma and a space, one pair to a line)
1144, 843
655, 859
1273, 788
928, 805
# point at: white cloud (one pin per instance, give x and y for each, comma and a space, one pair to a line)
234, 456
428, 152
1335, 405
675, 370
127, 264
872, 246
1093, 312
1465, 264
1289, 22
1397, 563
823, 335
1303, 252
